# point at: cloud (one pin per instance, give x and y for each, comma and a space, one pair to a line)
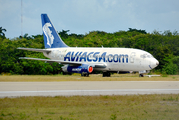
81, 16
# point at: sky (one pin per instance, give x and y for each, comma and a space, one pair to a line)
83, 16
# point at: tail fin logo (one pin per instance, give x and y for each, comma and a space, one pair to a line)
48, 34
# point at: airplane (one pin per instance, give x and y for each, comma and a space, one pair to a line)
86, 60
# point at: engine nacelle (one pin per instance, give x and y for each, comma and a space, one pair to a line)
84, 68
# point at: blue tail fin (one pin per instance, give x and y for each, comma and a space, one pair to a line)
51, 37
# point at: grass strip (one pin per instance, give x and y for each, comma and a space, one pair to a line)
77, 77
165, 106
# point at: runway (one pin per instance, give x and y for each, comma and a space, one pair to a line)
17, 89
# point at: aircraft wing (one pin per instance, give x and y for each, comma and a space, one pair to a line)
96, 65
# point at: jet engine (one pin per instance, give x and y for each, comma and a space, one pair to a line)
84, 69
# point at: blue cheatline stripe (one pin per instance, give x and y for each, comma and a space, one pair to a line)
150, 67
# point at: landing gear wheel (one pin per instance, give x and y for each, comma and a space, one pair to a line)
106, 74
141, 75
85, 74
82, 74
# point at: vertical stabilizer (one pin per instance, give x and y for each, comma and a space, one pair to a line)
51, 37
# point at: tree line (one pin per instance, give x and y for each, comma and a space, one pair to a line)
163, 46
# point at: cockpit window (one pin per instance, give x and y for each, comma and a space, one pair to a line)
143, 56
146, 56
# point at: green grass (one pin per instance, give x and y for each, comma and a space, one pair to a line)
91, 107
77, 77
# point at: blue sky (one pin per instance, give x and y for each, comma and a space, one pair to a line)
83, 16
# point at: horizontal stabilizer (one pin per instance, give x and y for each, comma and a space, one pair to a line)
34, 59
36, 50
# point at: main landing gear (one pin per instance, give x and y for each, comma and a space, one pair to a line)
84, 74
106, 74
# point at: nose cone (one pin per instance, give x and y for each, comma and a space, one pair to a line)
157, 63
154, 63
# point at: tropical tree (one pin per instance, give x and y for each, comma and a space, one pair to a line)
2, 34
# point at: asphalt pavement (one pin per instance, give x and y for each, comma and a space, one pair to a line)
70, 88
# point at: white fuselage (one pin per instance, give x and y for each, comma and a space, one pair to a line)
116, 59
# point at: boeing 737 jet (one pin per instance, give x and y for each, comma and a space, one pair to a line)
85, 60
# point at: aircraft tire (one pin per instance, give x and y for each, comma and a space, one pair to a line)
109, 74
141, 75
84, 75
87, 75
106, 74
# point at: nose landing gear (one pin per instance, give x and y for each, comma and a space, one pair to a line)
141, 75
